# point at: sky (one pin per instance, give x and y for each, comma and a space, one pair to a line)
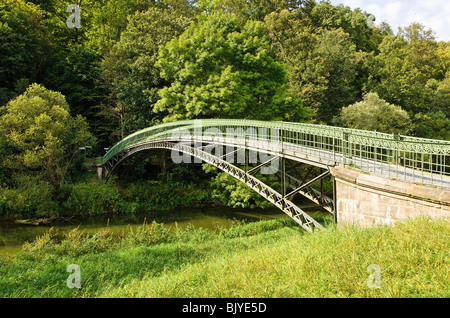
434, 14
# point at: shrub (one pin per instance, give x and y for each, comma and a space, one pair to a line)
93, 198
74, 243
156, 195
31, 198
374, 113
235, 194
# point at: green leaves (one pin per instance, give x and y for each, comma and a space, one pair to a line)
322, 63
130, 65
44, 137
433, 125
402, 70
375, 114
23, 45
219, 68
235, 194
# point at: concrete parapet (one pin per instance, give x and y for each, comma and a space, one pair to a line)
369, 200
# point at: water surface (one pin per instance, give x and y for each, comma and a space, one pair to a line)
13, 236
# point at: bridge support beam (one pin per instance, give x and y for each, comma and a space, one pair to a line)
279, 200
367, 200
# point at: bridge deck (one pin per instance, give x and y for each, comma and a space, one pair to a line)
409, 159
323, 158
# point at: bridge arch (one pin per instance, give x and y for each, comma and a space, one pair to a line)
407, 158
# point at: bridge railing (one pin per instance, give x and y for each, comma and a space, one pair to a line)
414, 159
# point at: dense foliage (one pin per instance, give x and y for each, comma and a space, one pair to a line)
266, 259
374, 113
40, 134
135, 63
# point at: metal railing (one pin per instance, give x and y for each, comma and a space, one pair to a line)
411, 159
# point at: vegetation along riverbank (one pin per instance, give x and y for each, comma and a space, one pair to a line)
273, 258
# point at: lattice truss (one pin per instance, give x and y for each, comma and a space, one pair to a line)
281, 200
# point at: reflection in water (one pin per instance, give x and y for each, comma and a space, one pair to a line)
12, 235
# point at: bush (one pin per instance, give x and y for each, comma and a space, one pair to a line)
375, 114
93, 198
432, 125
74, 243
31, 198
156, 195
235, 194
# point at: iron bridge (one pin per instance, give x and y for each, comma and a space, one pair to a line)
270, 147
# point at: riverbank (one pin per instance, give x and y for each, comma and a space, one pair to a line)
14, 234
36, 202
33, 201
273, 258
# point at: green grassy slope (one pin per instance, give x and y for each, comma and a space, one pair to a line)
264, 259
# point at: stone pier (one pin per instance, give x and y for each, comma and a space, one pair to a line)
100, 172
369, 200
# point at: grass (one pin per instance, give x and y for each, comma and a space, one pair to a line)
273, 258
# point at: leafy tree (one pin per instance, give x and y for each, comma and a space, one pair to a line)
353, 22
322, 64
101, 21
221, 68
42, 135
251, 9
432, 125
76, 75
375, 114
441, 97
130, 66
403, 69
54, 18
232, 192
24, 44
108, 19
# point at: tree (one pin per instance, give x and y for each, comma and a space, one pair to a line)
108, 19
432, 125
41, 134
250, 9
76, 75
220, 68
441, 97
375, 114
233, 192
353, 22
24, 45
322, 64
402, 71
130, 65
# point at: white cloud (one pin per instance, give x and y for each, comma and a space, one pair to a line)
434, 14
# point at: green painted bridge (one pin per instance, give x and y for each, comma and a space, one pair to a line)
242, 148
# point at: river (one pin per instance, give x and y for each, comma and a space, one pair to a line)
13, 236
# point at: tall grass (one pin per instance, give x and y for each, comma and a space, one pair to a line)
264, 259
